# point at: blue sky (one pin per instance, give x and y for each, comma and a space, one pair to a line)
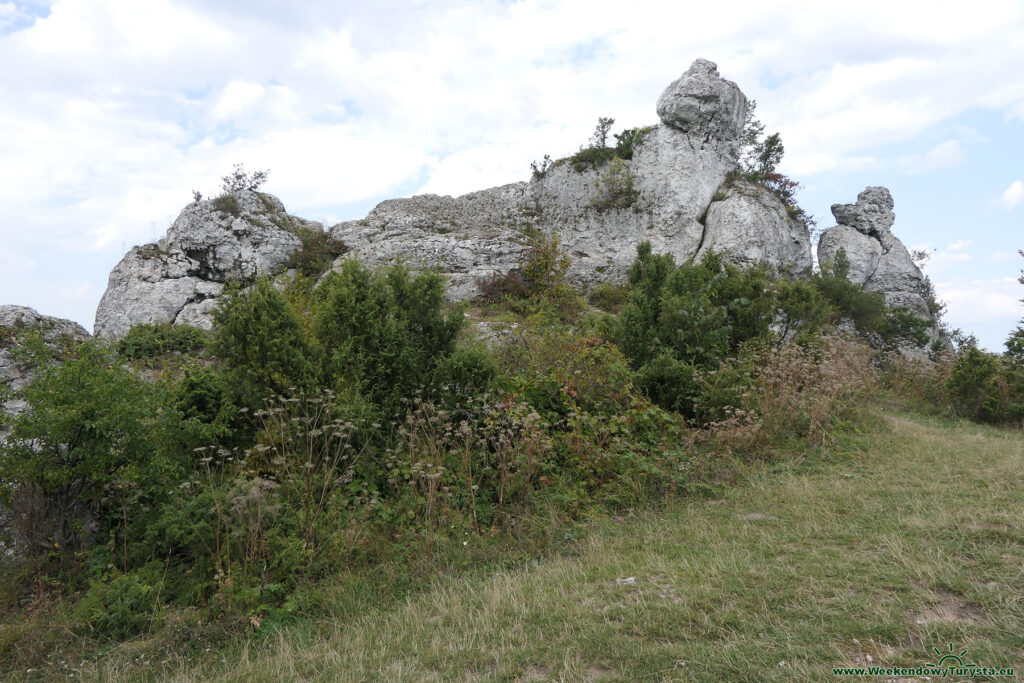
113, 111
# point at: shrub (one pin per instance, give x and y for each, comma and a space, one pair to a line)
608, 297
900, 326
91, 425
986, 388
681, 321
628, 140
239, 180
541, 273
384, 332
318, 252
539, 170
591, 158
801, 311
503, 286
150, 340
226, 203
616, 188
123, 605
468, 371
556, 371
259, 338
866, 309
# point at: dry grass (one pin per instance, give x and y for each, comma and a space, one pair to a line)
885, 552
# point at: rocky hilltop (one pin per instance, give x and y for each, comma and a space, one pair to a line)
178, 279
677, 189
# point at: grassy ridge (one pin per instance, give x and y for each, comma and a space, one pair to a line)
909, 540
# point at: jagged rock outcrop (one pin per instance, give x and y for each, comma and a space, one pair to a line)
231, 238
662, 194
751, 225
15, 321
878, 259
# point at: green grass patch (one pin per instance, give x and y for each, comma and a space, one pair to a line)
901, 540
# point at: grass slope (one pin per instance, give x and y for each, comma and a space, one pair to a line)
876, 555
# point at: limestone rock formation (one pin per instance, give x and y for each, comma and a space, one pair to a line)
751, 226
177, 280
662, 194
667, 186
878, 259
14, 374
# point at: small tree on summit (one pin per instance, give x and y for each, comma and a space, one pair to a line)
239, 180
600, 137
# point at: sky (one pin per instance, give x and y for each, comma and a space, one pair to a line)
113, 111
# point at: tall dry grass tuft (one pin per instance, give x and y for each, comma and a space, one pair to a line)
922, 383
795, 391
802, 391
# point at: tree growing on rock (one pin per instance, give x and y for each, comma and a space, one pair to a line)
760, 158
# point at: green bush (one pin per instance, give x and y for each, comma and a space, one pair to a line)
557, 371
802, 311
681, 321
591, 158
608, 297
987, 388
628, 140
384, 332
541, 273
318, 252
616, 189
260, 339
150, 340
901, 326
94, 433
866, 309
123, 605
468, 371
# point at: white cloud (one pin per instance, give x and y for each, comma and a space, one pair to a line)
1003, 256
942, 156
1013, 195
989, 308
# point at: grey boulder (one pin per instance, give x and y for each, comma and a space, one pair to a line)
211, 243
751, 226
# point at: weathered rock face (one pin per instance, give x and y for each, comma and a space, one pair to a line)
751, 226
702, 103
211, 242
15, 375
672, 176
878, 260
467, 238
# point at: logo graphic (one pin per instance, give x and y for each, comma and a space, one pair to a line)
952, 659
